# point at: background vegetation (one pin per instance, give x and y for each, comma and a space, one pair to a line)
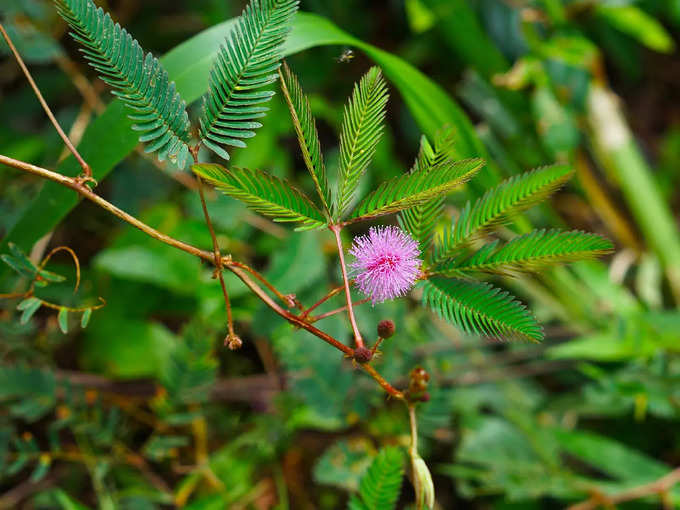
144, 408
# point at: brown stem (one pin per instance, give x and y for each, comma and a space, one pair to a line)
93, 197
86, 168
334, 292
235, 268
336, 311
382, 382
658, 487
288, 300
350, 311
216, 251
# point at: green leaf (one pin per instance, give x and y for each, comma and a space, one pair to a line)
530, 252
138, 79
62, 318
246, 62
308, 137
380, 486
638, 24
421, 220
67, 502
85, 318
29, 306
30, 386
264, 193
508, 198
416, 188
610, 456
362, 126
41, 469
479, 308
189, 65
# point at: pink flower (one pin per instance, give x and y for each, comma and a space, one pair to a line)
386, 263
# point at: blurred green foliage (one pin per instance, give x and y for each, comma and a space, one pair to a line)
145, 409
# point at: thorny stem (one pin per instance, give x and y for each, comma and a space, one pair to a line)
202, 254
86, 168
350, 311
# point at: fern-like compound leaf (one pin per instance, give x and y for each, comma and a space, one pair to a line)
362, 126
246, 62
530, 252
420, 220
379, 488
138, 79
264, 193
479, 308
498, 204
416, 188
308, 137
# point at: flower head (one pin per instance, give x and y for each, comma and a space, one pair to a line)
386, 263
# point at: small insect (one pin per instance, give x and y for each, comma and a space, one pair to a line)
346, 56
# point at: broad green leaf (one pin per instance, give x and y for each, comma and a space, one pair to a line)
611, 457
416, 188
638, 24
264, 193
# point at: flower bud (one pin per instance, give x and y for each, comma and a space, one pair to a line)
386, 328
362, 355
423, 482
233, 342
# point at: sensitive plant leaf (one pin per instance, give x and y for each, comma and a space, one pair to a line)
420, 221
29, 385
246, 62
355, 503
138, 79
308, 137
500, 203
416, 188
41, 469
530, 252
189, 65
380, 486
479, 308
62, 319
85, 318
29, 306
362, 126
264, 193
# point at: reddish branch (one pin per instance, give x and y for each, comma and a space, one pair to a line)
228, 264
